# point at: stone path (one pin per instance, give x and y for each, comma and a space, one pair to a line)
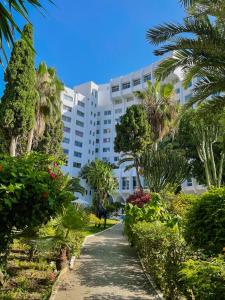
107, 270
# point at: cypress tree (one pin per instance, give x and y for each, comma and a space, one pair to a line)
17, 110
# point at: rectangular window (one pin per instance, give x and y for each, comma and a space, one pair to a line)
66, 151
118, 110
106, 149
77, 165
130, 99
189, 182
97, 141
98, 122
177, 91
126, 85
107, 130
116, 158
66, 129
107, 122
97, 131
136, 81
147, 77
99, 114
79, 133
125, 183
66, 119
106, 140
96, 150
106, 159
115, 88
118, 101
107, 112
79, 123
78, 144
67, 108
80, 103
80, 113
66, 140
134, 182
77, 154
66, 97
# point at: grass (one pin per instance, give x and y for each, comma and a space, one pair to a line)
91, 229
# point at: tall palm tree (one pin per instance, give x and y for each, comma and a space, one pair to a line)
199, 52
8, 24
161, 107
49, 102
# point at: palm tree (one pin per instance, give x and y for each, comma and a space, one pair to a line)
200, 53
8, 23
161, 107
49, 88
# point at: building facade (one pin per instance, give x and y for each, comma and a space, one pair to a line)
90, 113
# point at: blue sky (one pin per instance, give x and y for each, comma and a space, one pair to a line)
98, 39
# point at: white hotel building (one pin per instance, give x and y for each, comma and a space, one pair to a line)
90, 113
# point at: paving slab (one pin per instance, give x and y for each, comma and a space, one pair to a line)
108, 269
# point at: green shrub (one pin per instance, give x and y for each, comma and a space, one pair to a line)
206, 222
181, 203
204, 279
162, 250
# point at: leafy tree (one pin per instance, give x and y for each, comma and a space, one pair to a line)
164, 169
133, 135
200, 54
8, 24
161, 107
98, 175
48, 121
17, 108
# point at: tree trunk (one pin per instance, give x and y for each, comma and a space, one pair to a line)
13, 145
61, 262
138, 176
220, 170
30, 140
213, 165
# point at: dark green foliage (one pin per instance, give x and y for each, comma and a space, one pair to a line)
32, 190
133, 132
206, 222
164, 169
204, 279
17, 108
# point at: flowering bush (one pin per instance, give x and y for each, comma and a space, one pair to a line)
139, 198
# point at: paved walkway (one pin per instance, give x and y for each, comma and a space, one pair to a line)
107, 270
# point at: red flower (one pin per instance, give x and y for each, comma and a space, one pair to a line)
52, 175
55, 164
139, 198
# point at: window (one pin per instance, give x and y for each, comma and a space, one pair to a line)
189, 182
98, 122
118, 101
91, 122
89, 142
107, 112
106, 159
107, 122
90, 132
99, 113
106, 140
66, 97
106, 149
66, 129
80, 113
115, 88
118, 110
97, 141
136, 81
66, 140
97, 131
126, 85
130, 99
93, 134
79, 133
116, 158
78, 144
134, 182
77, 165
107, 130
177, 91
66, 119
67, 108
80, 103
147, 77
66, 151
96, 150
77, 154
125, 183
94, 93
79, 123
186, 98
